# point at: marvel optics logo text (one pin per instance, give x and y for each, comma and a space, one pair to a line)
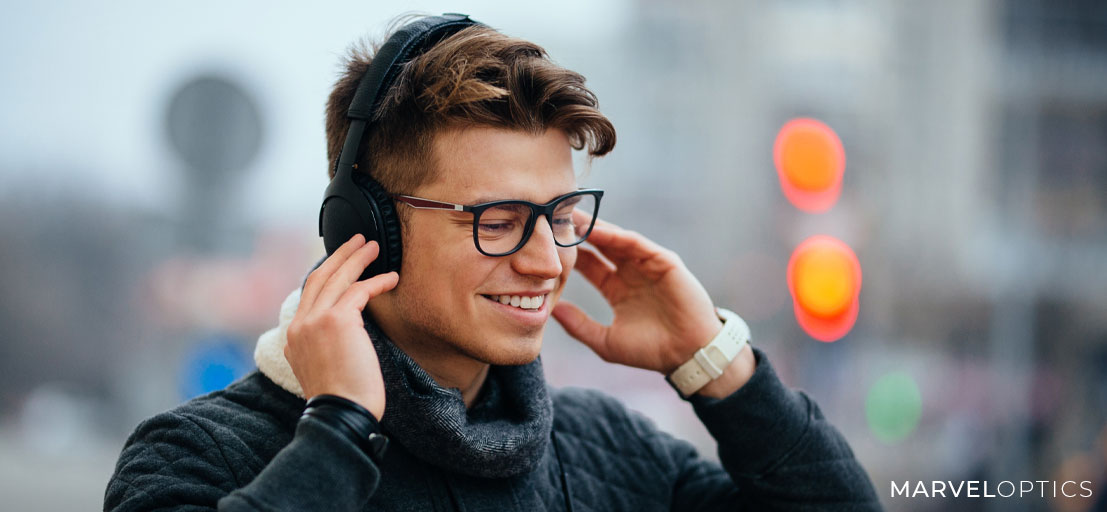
982, 489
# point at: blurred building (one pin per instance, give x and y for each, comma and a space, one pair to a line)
975, 196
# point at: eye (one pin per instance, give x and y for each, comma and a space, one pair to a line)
495, 227
502, 220
563, 220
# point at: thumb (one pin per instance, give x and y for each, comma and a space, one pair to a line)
582, 327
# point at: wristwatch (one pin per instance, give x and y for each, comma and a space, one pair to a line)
711, 361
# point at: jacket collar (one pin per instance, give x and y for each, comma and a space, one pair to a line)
269, 352
505, 434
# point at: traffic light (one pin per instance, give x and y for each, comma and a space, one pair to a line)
809, 161
824, 278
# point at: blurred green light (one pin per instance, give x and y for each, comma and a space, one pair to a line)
893, 407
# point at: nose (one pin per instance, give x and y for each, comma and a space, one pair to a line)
539, 256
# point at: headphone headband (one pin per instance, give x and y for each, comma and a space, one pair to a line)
404, 45
407, 42
356, 203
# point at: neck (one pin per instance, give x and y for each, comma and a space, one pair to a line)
449, 367
469, 389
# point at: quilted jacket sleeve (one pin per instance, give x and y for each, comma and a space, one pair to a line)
778, 450
172, 462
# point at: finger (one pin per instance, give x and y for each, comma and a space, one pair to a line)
593, 268
319, 276
360, 293
583, 220
620, 245
582, 327
581, 217
346, 275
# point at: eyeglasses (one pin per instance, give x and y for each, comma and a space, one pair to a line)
502, 227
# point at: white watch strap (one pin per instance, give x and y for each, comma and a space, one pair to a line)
711, 361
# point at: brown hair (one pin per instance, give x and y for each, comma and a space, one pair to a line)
477, 76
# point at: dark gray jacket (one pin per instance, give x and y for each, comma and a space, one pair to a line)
245, 448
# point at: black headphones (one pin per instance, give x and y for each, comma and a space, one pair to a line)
355, 202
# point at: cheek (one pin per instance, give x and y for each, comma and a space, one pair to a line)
421, 270
568, 260
461, 271
431, 245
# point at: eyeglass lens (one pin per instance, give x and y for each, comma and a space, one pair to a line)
501, 228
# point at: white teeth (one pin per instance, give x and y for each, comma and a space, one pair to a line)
519, 301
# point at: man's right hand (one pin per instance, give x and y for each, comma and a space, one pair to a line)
328, 347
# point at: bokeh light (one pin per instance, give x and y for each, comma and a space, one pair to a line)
824, 278
893, 407
809, 160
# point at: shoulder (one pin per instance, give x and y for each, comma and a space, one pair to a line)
581, 408
608, 446
222, 436
603, 421
251, 404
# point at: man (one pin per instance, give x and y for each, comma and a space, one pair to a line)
424, 387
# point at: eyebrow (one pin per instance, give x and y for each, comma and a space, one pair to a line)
489, 199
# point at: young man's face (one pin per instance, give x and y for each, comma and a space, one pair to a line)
442, 299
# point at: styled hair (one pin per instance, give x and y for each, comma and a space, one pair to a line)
476, 77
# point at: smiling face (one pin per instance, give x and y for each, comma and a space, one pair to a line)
448, 310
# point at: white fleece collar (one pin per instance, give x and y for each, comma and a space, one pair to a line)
269, 353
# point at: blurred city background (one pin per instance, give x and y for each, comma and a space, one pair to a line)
161, 167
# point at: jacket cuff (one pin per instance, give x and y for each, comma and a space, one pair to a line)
757, 426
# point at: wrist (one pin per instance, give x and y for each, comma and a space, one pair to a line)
352, 420
341, 402
739, 372
716, 360
372, 402
700, 339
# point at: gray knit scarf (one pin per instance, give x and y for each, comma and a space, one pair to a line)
503, 435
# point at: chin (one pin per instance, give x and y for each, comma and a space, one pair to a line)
513, 351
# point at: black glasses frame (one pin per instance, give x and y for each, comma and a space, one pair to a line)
536, 210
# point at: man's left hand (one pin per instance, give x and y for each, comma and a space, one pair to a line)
663, 315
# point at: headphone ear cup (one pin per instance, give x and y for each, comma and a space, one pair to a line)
386, 229
339, 221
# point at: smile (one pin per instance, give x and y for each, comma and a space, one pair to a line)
521, 302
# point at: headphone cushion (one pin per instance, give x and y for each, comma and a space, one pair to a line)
388, 226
